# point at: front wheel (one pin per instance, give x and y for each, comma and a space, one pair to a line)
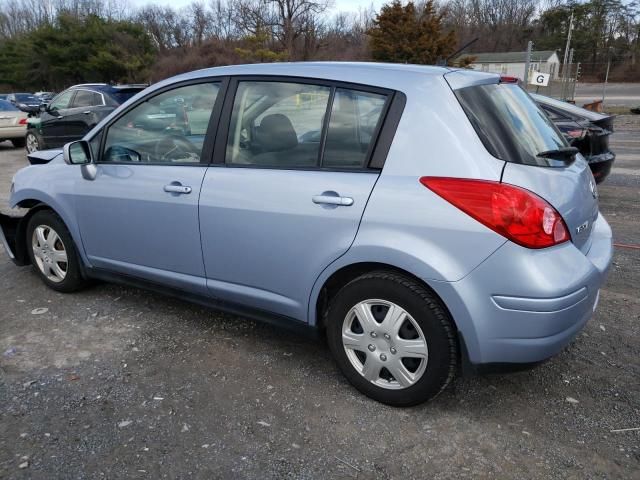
392, 339
32, 143
53, 252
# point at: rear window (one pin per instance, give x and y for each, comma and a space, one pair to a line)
510, 124
121, 96
26, 97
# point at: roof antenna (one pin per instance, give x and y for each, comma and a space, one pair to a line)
445, 62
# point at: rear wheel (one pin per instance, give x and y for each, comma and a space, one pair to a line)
53, 252
392, 339
32, 142
18, 142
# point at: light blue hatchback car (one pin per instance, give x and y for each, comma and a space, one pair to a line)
425, 218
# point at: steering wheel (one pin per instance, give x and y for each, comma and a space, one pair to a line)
175, 148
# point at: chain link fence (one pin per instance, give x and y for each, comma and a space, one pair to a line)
561, 86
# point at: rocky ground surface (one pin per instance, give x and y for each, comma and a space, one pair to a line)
117, 382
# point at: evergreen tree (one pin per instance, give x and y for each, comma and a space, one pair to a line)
408, 34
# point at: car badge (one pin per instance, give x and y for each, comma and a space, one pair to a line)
594, 190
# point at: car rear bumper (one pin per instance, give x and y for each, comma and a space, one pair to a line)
600, 165
13, 132
523, 306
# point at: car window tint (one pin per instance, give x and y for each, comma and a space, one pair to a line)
167, 128
62, 100
86, 98
354, 118
277, 124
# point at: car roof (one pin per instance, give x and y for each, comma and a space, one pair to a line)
105, 87
386, 75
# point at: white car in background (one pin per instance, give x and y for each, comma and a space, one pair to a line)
13, 123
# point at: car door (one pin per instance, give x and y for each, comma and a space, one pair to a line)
287, 190
86, 110
139, 215
52, 124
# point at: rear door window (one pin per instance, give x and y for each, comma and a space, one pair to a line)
87, 98
510, 124
296, 125
354, 119
277, 124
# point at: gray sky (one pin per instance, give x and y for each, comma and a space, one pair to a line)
338, 5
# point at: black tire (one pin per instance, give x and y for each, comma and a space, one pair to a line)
73, 279
33, 143
18, 142
424, 307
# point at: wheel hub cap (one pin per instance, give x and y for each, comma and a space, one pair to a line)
49, 253
385, 344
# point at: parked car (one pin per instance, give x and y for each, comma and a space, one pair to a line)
45, 96
72, 113
586, 130
457, 232
3, 96
27, 102
13, 123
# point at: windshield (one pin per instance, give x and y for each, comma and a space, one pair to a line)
7, 107
26, 97
511, 125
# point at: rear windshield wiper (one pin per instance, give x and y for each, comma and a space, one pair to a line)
565, 152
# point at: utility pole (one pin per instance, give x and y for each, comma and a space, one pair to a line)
566, 58
566, 48
527, 63
606, 77
566, 85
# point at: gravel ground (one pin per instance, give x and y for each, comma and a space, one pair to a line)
117, 382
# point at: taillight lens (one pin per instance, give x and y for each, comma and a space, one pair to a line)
513, 212
577, 133
23, 121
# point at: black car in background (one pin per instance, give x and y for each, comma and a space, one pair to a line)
588, 131
27, 102
75, 111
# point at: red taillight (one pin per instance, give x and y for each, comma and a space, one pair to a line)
508, 79
578, 133
513, 212
23, 121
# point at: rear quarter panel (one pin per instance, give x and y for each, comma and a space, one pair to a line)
405, 224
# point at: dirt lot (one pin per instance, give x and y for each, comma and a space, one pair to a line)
119, 383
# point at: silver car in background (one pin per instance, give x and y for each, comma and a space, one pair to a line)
425, 218
13, 123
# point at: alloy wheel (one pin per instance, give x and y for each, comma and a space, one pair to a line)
49, 253
385, 344
32, 143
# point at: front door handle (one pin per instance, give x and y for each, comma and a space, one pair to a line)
332, 200
87, 112
172, 188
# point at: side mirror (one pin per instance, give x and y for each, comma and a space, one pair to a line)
77, 153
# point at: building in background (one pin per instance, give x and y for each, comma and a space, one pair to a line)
513, 63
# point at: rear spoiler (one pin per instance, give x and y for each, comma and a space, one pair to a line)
42, 157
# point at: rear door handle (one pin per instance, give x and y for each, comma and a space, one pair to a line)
172, 188
332, 200
87, 112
